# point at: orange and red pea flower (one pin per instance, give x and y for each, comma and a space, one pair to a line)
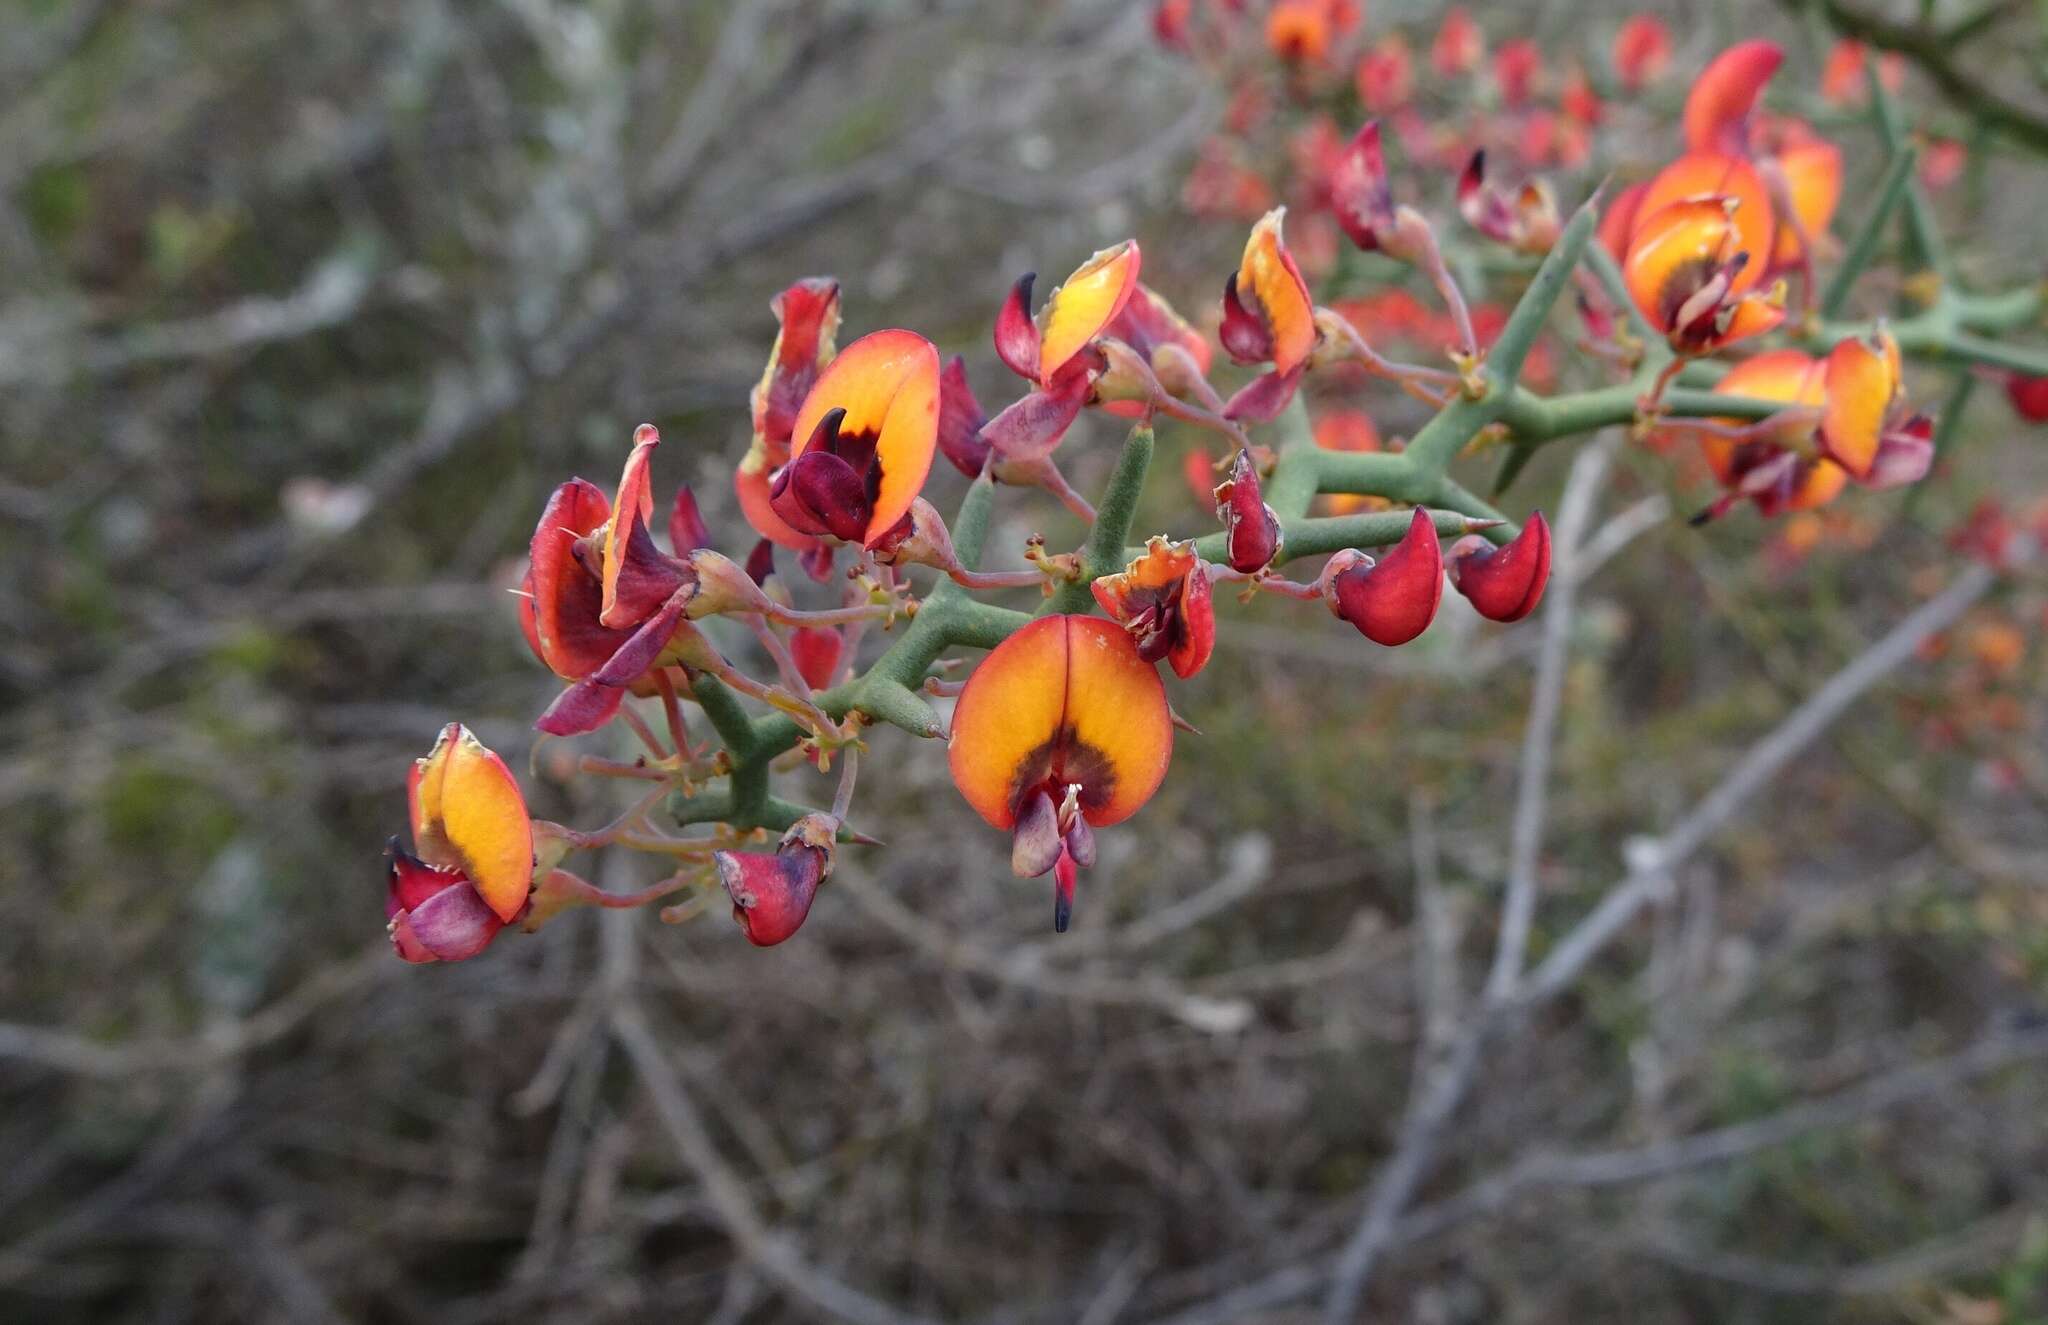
1061, 729
473, 870
863, 441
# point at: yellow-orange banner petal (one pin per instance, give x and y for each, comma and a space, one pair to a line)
468, 814
1086, 303
1860, 384
1268, 279
634, 502
1812, 170
1712, 175
1008, 720
1066, 700
888, 384
1116, 711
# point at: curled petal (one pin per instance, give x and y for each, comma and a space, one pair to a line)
1032, 426
453, 925
1904, 454
887, 382
1270, 286
1261, 399
468, 814
646, 578
960, 420
1035, 841
1504, 583
1016, 334
1245, 335
566, 597
1359, 192
818, 493
643, 649
1193, 643
686, 528
752, 484
1251, 529
583, 707
1083, 307
1394, 601
807, 325
1718, 109
633, 510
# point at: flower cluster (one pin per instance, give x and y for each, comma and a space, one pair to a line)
1064, 726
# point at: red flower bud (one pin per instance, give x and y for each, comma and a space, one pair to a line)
1516, 67
1459, 45
772, 891
1504, 583
1251, 530
2029, 397
1642, 50
1393, 601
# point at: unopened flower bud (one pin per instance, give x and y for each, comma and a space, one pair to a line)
1393, 601
1504, 583
772, 891
1252, 530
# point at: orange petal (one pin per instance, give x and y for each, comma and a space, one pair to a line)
1672, 253
1008, 718
1704, 175
1753, 315
1116, 713
635, 502
888, 384
1792, 376
1619, 220
1066, 699
1088, 301
1819, 483
1860, 385
1268, 278
467, 814
1717, 110
1812, 169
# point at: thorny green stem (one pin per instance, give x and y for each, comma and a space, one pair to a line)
1956, 327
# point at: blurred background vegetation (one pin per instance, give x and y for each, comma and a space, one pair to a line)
304, 307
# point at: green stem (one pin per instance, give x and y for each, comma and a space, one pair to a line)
1114, 515
1864, 246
